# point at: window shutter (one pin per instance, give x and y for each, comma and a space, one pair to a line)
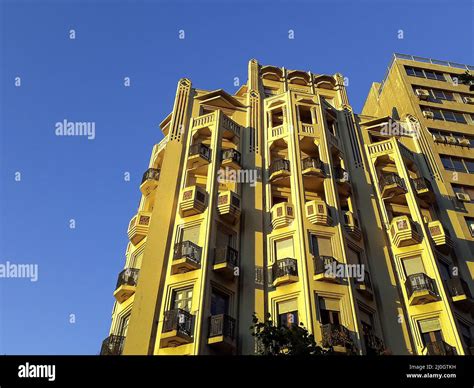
191, 234
428, 325
284, 249
329, 304
287, 306
413, 265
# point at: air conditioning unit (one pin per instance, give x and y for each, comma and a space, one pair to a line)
439, 138
428, 114
422, 94
463, 197
468, 100
464, 142
451, 140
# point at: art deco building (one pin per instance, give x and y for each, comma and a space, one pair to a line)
253, 202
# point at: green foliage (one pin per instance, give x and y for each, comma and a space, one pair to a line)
283, 341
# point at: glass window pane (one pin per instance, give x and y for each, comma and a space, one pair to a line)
447, 163
460, 117
437, 114
458, 165
440, 77
410, 71
419, 73
449, 116
469, 165
430, 74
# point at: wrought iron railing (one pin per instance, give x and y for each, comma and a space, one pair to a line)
189, 250
226, 255
112, 345
323, 264
420, 282
335, 335
129, 277
422, 184
390, 179
440, 348
222, 325
312, 162
283, 267
180, 320
279, 165
151, 174
231, 154
200, 149
457, 286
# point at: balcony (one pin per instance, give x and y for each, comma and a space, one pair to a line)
226, 260
230, 128
421, 289
403, 232
222, 329
126, 284
193, 201
317, 212
365, 286
440, 348
313, 167
112, 346
460, 293
424, 190
337, 337
231, 159
282, 215
138, 227
178, 328
228, 206
278, 169
343, 183
373, 344
199, 155
325, 268
391, 185
440, 236
150, 180
186, 257
284, 271
351, 225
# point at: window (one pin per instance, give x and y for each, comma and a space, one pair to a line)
124, 325
457, 135
284, 249
413, 265
452, 163
320, 246
442, 95
288, 313
469, 165
190, 234
430, 74
329, 311
446, 115
430, 330
305, 114
464, 190
276, 118
182, 299
470, 225
219, 302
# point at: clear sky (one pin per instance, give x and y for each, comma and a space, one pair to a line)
82, 79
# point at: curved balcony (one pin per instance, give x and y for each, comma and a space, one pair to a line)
343, 183
317, 212
222, 331
226, 260
337, 337
138, 227
193, 201
199, 155
282, 215
351, 225
231, 158
440, 236
391, 186
150, 180
186, 257
178, 328
228, 206
284, 271
424, 190
312, 166
421, 289
126, 284
278, 169
112, 345
325, 268
460, 293
403, 232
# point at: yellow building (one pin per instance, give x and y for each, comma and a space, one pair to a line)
280, 200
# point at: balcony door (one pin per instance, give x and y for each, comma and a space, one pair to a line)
284, 249
288, 313
413, 265
219, 303
320, 246
329, 311
190, 234
182, 299
430, 331
225, 238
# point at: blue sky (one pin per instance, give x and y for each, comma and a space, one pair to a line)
64, 178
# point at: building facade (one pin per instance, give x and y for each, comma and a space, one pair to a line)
279, 199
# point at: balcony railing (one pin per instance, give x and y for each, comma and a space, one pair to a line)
226, 255
112, 345
129, 277
188, 250
373, 344
336, 335
440, 348
151, 174
341, 174
232, 155
389, 180
420, 282
200, 149
284, 267
279, 165
457, 286
222, 325
421, 184
364, 285
312, 162
179, 320
323, 263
